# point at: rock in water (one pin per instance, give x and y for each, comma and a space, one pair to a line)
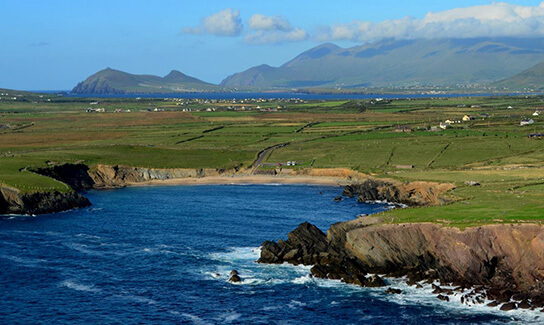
234, 277
375, 281
393, 291
508, 306
337, 199
444, 298
303, 246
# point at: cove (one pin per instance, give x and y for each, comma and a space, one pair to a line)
162, 255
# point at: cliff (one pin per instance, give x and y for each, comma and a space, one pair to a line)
104, 176
505, 260
13, 201
80, 177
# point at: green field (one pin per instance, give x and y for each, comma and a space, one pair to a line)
492, 148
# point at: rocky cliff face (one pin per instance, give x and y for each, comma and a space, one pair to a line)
409, 193
506, 260
104, 176
14, 202
75, 175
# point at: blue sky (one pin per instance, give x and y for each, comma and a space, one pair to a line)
55, 44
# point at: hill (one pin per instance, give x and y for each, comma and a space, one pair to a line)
110, 81
392, 63
532, 78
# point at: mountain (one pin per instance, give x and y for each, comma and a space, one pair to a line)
389, 63
110, 81
532, 78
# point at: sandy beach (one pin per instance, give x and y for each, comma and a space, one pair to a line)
249, 179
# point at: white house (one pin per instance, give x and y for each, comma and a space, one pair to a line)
526, 122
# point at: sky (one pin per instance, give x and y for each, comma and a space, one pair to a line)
53, 45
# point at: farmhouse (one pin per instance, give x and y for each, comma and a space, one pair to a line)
526, 122
467, 118
402, 128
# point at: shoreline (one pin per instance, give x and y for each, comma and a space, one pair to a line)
245, 180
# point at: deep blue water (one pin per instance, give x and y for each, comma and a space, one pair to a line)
288, 95
152, 255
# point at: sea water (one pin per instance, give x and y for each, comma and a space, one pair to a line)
162, 255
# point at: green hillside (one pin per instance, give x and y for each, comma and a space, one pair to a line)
531, 79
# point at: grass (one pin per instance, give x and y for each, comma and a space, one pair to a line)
493, 150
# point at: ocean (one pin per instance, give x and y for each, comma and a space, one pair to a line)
161, 255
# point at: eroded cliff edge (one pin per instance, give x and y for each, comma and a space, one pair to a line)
80, 177
504, 261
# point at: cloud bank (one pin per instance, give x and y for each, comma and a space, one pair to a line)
493, 20
499, 19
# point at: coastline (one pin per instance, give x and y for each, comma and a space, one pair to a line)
246, 179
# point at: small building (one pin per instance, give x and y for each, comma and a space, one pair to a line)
509, 107
444, 126
95, 110
526, 122
467, 118
536, 136
405, 166
402, 128
475, 106
536, 113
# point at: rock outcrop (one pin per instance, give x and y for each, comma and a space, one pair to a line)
308, 245
409, 193
505, 260
13, 201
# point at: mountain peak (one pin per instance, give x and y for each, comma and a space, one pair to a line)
175, 75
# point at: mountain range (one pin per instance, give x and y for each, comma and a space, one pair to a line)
381, 64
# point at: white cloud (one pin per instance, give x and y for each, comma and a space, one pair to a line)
276, 37
262, 22
273, 30
224, 23
493, 20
